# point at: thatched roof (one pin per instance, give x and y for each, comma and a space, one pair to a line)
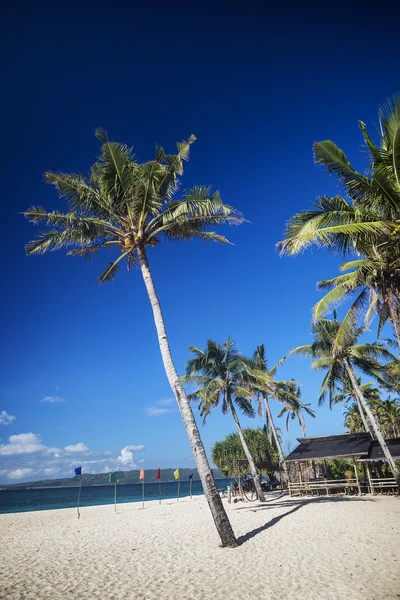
375, 451
345, 445
331, 447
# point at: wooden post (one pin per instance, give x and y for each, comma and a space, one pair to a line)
326, 477
371, 486
240, 487
314, 469
79, 495
300, 480
355, 471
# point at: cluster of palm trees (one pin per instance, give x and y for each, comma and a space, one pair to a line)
129, 206
224, 376
386, 413
365, 224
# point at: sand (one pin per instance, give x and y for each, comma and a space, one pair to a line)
292, 548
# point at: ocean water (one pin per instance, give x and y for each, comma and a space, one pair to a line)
23, 500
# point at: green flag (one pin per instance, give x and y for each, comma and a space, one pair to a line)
112, 478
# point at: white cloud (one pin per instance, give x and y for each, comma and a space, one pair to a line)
126, 459
51, 471
56, 452
52, 399
24, 443
80, 447
19, 473
166, 401
6, 419
157, 410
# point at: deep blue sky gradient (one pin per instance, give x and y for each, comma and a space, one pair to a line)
257, 87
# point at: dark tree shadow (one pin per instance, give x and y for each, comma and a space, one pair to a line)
296, 504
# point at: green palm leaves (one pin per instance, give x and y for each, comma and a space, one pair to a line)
126, 205
365, 222
218, 373
335, 343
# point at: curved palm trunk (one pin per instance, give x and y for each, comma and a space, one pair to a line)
219, 515
276, 438
379, 436
247, 452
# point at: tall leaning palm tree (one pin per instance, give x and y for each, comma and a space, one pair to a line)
336, 350
219, 374
129, 207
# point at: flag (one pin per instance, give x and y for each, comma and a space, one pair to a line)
176, 474
112, 478
141, 476
158, 476
190, 477
78, 471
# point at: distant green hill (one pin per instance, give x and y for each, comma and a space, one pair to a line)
123, 477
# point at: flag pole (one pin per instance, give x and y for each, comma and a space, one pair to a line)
159, 487
191, 488
143, 492
179, 487
79, 495
115, 496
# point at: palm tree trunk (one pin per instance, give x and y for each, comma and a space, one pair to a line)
393, 318
379, 436
362, 415
247, 452
276, 438
219, 515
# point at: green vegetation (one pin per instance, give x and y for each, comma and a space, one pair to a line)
227, 453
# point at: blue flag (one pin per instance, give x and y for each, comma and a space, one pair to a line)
190, 476
78, 471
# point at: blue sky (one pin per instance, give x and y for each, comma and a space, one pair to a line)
82, 373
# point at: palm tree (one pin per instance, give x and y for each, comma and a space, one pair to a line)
367, 222
296, 409
380, 276
336, 351
352, 419
219, 371
261, 381
130, 207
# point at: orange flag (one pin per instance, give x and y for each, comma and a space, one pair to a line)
141, 476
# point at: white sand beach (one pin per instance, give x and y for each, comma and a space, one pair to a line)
291, 548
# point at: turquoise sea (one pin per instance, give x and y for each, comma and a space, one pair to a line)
22, 500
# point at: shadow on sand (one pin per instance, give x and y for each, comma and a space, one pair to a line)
295, 505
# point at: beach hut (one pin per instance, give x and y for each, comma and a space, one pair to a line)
357, 447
